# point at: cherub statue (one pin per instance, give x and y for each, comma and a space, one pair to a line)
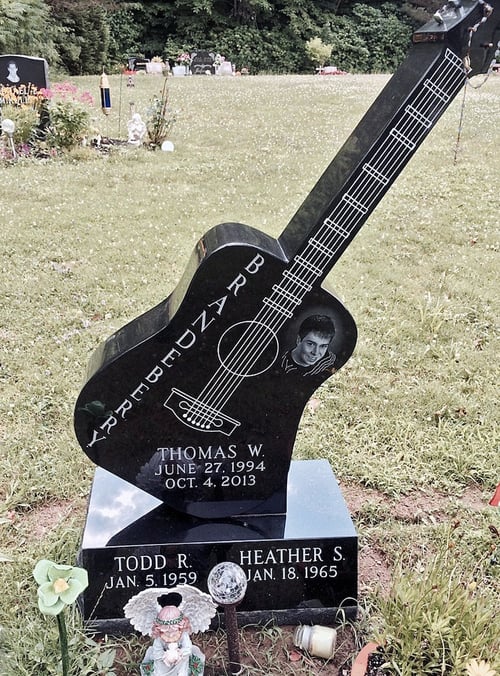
169, 616
136, 130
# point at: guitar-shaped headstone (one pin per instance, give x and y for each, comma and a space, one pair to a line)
198, 400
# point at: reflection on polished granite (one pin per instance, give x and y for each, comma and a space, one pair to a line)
121, 514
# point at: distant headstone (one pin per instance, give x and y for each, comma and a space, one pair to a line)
16, 70
136, 63
226, 68
202, 62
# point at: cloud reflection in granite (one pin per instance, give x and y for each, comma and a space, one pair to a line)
115, 505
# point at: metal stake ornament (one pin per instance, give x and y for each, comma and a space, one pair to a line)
8, 128
227, 584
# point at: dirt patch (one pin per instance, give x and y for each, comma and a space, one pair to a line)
40, 521
357, 496
271, 651
374, 569
415, 507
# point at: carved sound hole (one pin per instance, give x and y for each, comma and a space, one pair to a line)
248, 349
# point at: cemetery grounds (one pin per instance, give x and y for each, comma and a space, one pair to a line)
93, 238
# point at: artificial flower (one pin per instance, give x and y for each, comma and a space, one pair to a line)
60, 585
184, 58
481, 668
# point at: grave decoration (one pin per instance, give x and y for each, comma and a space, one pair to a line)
227, 584
169, 616
182, 65
136, 128
17, 70
8, 128
105, 93
59, 587
191, 410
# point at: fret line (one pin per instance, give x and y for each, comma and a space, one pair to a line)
277, 307
455, 60
308, 265
297, 280
336, 227
374, 173
320, 247
296, 300
354, 203
418, 116
404, 140
437, 91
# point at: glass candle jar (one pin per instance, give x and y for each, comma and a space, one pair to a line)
317, 640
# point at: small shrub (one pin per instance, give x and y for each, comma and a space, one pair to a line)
26, 120
69, 124
318, 52
69, 114
45, 119
441, 616
160, 119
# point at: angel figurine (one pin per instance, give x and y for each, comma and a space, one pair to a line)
185, 610
136, 129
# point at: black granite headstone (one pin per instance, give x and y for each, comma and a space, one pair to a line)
202, 410
202, 62
16, 70
208, 457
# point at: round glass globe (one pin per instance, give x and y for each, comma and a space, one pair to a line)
8, 126
227, 583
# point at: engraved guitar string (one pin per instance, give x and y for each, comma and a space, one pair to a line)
344, 220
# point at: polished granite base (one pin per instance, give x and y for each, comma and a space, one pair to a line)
301, 567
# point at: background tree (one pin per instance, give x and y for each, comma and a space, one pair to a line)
26, 28
124, 33
84, 37
318, 51
262, 35
370, 39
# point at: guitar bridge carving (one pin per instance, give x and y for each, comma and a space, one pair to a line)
199, 416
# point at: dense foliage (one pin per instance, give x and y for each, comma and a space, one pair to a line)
81, 36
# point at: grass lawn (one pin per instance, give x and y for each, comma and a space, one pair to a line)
410, 425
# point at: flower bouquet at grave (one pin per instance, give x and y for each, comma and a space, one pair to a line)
47, 120
23, 105
183, 59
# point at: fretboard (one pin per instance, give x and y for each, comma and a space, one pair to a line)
325, 240
367, 165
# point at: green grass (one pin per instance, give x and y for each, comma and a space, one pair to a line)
90, 241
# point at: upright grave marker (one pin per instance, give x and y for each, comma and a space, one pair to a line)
17, 70
191, 410
202, 62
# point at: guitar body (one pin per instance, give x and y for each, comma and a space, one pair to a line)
129, 415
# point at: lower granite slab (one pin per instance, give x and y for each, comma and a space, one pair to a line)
301, 567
